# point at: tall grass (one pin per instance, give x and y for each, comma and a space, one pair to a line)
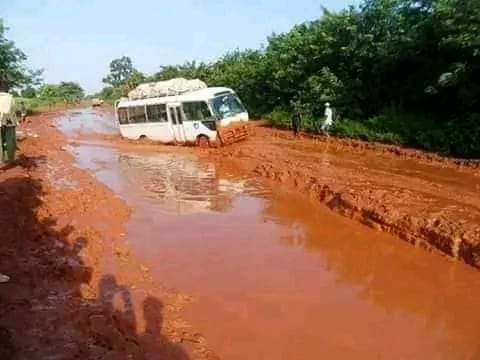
37, 104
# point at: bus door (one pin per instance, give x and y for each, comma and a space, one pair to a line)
176, 119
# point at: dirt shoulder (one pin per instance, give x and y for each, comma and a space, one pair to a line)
76, 291
430, 202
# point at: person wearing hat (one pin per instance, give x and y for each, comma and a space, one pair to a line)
328, 121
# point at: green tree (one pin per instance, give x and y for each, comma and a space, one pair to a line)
188, 70
29, 92
136, 78
66, 91
245, 71
120, 71
48, 91
13, 73
70, 90
109, 93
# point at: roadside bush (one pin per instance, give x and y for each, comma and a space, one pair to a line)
31, 104
353, 129
110, 93
463, 137
279, 119
458, 137
36, 104
365, 131
282, 119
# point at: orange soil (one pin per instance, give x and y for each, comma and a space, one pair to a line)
76, 292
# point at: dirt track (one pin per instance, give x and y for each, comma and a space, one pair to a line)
77, 286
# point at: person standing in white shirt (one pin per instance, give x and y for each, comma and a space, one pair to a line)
328, 121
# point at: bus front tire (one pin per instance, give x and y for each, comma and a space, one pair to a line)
203, 141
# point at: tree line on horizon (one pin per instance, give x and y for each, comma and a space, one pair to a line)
397, 71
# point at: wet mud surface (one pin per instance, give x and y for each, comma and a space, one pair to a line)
430, 204
180, 253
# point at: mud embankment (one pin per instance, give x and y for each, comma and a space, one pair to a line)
432, 203
76, 291
365, 147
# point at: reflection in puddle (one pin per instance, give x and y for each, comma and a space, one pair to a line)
185, 185
87, 121
167, 176
182, 185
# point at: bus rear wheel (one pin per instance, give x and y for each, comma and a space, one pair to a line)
203, 142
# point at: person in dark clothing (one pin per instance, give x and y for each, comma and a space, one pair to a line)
296, 120
23, 111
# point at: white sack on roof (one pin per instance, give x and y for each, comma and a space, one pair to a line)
165, 88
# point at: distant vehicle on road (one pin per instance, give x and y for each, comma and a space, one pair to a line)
97, 102
204, 116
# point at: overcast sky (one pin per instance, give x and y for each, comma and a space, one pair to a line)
76, 40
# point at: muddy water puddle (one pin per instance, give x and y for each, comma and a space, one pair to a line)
275, 276
87, 120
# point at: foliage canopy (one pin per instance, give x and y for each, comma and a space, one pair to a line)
13, 73
410, 59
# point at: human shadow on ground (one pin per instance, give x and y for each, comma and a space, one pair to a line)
44, 312
117, 328
22, 161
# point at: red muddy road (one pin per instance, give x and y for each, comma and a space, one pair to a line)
431, 203
262, 270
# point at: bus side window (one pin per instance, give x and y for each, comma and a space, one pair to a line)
122, 116
157, 113
196, 111
136, 115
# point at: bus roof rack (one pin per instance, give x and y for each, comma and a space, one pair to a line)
172, 87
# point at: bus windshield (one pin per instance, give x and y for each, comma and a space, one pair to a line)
227, 105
